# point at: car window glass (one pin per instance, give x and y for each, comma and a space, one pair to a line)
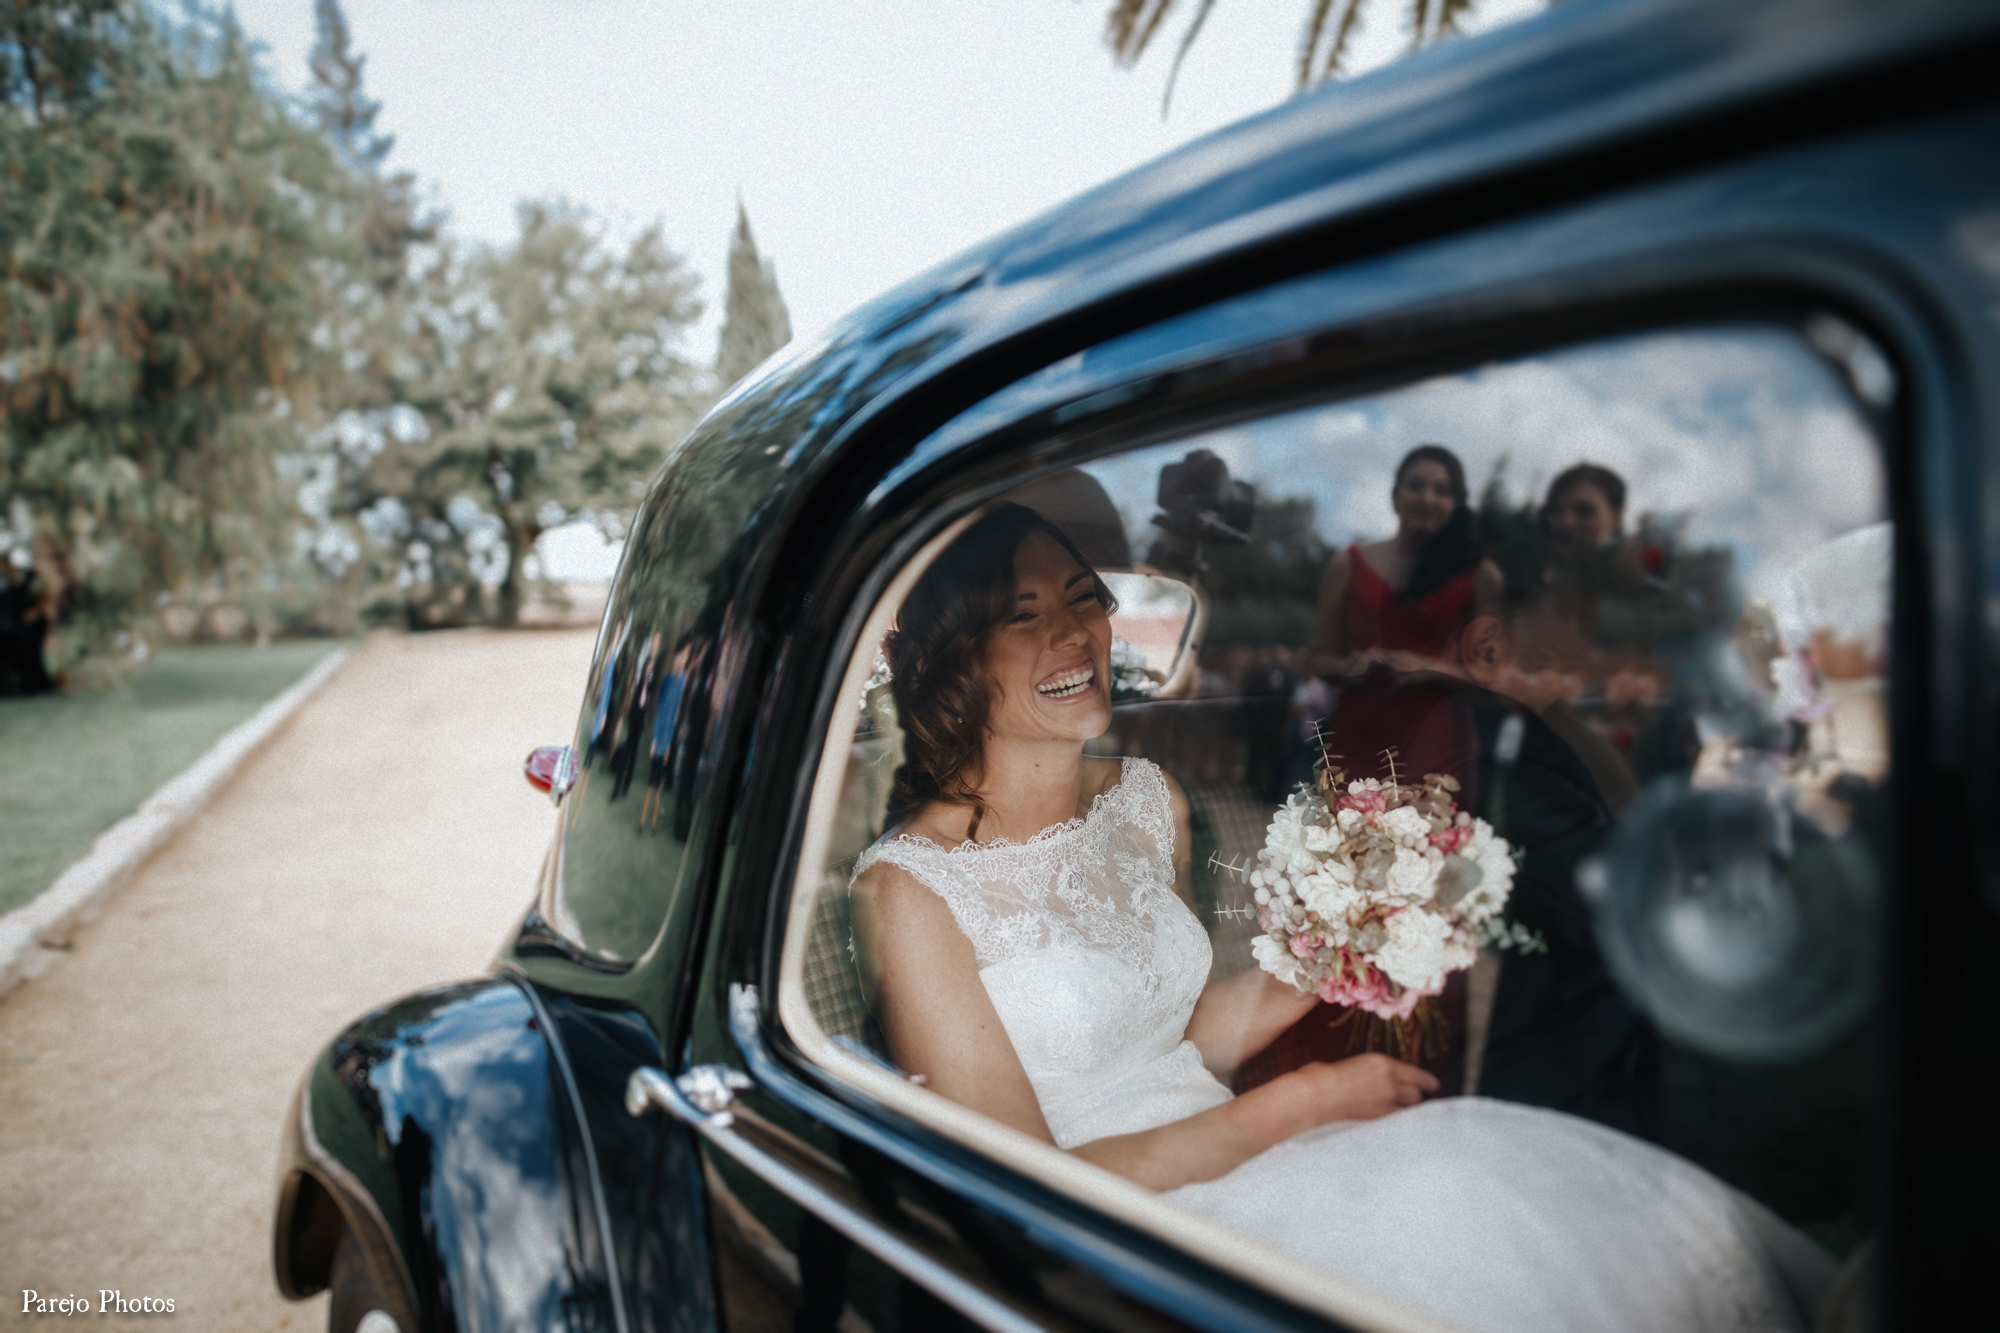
1629, 600
655, 682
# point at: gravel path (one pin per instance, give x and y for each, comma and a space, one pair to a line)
383, 841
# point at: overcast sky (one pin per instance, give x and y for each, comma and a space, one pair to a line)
869, 139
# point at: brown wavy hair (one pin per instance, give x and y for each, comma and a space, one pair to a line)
937, 657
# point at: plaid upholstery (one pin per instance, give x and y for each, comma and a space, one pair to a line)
1229, 826
832, 982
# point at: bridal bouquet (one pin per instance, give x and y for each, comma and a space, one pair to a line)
1372, 893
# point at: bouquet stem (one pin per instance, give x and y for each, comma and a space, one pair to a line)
1406, 1039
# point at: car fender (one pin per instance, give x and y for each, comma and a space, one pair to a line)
440, 1132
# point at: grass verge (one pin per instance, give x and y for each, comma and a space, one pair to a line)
72, 766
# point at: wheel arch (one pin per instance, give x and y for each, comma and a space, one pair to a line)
436, 1132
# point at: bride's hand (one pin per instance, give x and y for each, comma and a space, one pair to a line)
1363, 1087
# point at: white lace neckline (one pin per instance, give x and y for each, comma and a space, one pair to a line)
1075, 824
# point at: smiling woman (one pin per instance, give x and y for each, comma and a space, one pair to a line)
1012, 604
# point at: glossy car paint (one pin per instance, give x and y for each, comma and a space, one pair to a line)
1608, 167
451, 1126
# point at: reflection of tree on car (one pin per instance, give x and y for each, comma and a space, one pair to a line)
1632, 635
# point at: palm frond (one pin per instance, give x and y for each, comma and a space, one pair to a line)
1153, 23
1309, 42
1450, 14
1180, 54
1423, 14
1119, 25
1130, 26
1343, 32
1329, 28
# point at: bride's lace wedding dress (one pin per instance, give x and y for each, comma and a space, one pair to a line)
1489, 1214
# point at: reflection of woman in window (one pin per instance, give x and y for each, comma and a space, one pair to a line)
1584, 521
1032, 959
1585, 509
1411, 594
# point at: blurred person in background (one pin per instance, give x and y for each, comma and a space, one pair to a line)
1404, 600
1628, 597
1527, 651
1585, 509
1547, 1028
24, 627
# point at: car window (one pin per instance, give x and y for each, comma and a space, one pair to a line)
1612, 617
614, 878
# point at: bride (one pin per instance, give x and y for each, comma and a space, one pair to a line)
1031, 959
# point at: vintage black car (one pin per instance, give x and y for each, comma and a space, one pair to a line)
1742, 257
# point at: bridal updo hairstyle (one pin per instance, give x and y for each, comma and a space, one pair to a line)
937, 656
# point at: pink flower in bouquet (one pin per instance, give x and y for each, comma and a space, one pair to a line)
1372, 893
1363, 799
1370, 989
1449, 840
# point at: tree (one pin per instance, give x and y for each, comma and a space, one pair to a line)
346, 116
155, 314
389, 222
1329, 28
755, 322
380, 243
549, 378
1263, 592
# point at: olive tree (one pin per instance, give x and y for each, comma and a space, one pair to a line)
549, 377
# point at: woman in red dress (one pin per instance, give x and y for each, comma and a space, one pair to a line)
1386, 608
1405, 600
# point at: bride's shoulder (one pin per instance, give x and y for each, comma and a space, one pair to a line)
901, 863
1144, 786
1139, 777
1101, 775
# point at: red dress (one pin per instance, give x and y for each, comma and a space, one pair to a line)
1373, 618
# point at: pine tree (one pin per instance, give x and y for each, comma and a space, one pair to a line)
346, 117
755, 322
362, 521
156, 235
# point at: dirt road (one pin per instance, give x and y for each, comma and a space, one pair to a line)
383, 841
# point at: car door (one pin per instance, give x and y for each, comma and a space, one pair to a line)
1787, 356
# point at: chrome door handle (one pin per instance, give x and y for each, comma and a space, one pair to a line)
701, 1098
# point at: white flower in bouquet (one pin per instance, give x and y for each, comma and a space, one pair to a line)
1372, 893
1421, 946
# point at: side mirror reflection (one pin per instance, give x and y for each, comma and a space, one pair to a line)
1157, 633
